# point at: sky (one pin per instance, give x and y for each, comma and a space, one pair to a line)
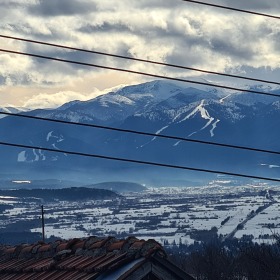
171, 31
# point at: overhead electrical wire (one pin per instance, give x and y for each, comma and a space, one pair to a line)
133, 131
140, 162
142, 133
139, 59
232, 9
138, 73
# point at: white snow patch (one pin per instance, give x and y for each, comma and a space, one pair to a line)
222, 99
205, 115
159, 131
273, 166
115, 99
22, 157
49, 136
42, 155
270, 165
36, 155
214, 125
64, 232
54, 146
177, 143
203, 112
209, 122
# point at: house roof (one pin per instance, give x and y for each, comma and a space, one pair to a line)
80, 259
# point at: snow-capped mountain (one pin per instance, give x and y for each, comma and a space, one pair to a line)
10, 109
157, 107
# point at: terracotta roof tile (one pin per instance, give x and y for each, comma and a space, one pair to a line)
72, 242
109, 262
9, 263
75, 259
59, 275
40, 265
98, 244
10, 250
120, 262
27, 249
67, 263
44, 248
73, 275
79, 245
20, 265
97, 262
44, 275
35, 248
61, 247
7, 276
91, 263
116, 246
137, 245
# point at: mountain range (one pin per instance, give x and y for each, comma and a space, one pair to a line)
159, 107
14, 110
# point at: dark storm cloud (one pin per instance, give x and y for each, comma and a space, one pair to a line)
83, 57
226, 47
49, 8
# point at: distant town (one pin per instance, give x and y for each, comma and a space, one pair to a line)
170, 215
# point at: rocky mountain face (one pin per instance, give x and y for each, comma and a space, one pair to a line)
157, 107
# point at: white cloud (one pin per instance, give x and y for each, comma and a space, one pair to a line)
44, 100
174, 32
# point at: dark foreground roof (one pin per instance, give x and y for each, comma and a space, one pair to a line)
86, 259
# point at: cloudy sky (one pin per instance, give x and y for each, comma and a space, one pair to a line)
171, 31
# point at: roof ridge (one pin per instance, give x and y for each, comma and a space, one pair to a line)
87, 246
82, 258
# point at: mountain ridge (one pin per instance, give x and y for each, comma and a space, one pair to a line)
158, 107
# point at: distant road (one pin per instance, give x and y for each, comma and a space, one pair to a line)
248, 218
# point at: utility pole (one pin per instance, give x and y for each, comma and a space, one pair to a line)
43, 223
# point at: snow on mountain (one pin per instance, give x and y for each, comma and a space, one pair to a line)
204, 114
123, 102
14, 110
68, 105
155, 90
276, 105
250, 99
51, 135
158, 107
22, 156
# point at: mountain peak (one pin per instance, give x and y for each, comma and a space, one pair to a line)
159, 107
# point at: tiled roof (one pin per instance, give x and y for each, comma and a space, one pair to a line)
75, 259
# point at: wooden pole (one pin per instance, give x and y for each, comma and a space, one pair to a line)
43, 223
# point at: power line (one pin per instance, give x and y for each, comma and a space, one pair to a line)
140, 162
143, 133
233, 9
139, 73
140, 60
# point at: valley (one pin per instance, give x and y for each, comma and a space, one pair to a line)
171, 215
175, 206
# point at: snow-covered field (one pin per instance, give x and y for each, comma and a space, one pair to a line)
165, 214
